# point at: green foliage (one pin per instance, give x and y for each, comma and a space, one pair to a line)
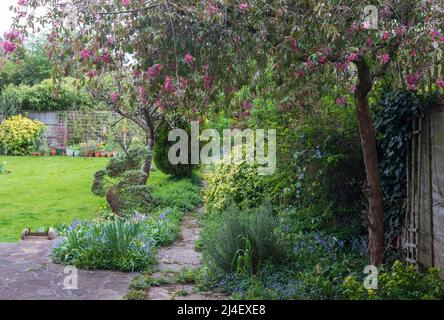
393, 126
33, 68
124, 183
183, 194
123, 245
315, 268
45, 96
237, 183
401, 282
242, 240
162, 147
18, 135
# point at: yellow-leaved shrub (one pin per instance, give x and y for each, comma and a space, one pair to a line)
18, 134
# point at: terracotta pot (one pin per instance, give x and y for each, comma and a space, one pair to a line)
109, 154
97, 154
53, 152
103, 154
35, 154
90, 154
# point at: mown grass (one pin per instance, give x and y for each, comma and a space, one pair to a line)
47, 191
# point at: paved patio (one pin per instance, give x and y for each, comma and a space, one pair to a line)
27, 273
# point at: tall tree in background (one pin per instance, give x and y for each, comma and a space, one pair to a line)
181, 51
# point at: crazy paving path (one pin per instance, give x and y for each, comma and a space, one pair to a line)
181, 255
27, 273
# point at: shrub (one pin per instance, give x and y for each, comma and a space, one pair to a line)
128, 191
121, 244
241, 240
237, 183
18, 134
45, 96
315, 268
161, 149
402, 282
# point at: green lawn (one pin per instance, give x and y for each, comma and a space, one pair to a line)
44, 191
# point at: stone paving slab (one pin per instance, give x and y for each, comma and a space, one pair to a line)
27, 273
181, 255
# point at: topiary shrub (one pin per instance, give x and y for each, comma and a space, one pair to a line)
125, 190
18, 135
162, 147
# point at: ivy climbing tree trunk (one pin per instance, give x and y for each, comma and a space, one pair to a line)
373, 189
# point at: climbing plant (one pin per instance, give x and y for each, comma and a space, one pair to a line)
393, 126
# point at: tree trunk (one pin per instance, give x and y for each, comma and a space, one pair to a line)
373, 188
149, 160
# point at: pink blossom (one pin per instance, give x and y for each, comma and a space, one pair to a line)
369, 42
212, 9
126, 2
412, 81
353, 89
22, 3
188, 58
168, 85
341, 101
385, 36
106, 57
85, 54
246, 105
323, 60
111, 40
243, 6
400, 31
309, 64
13, 35
208, 82
341, 66
137, 73
385, 12
353, 28
154, 71
300, 73
413, 53
9, 47
440, 83
385, 58
92, 74
114, 97
142, 94
352, 57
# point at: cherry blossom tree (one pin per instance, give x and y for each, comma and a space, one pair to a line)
177, 54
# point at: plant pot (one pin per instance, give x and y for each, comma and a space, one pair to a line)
35, 154
90, 154
76, 153
109, 154
69, 152
53, 152
103, 154
97, 154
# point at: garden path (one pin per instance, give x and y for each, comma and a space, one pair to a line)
27, 273
181, 255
